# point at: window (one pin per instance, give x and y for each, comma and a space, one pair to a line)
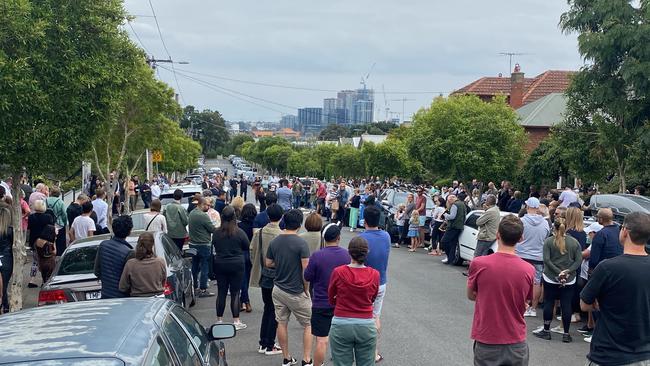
158, 354
79, 261
471, 220
183, 347
193, 327
171, 250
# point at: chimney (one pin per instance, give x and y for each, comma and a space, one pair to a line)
517, 88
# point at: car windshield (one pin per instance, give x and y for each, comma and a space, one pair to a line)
78, 261
72, 362
641, 201
167, 198
400, 197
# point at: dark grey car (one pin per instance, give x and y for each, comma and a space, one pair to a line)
115, 332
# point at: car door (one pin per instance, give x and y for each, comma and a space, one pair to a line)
467, 239
180, 267
183, 347
159, 354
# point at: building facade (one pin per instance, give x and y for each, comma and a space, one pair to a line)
310, 120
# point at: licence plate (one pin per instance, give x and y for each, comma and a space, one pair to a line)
95, 295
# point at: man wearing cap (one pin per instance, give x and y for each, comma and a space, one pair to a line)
318, 273
530, 249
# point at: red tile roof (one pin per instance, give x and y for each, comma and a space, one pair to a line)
552, 81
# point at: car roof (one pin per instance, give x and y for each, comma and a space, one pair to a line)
95, 240
121, 328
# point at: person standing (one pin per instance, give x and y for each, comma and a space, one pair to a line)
243, 187
154, 220
531, 248
343, 198
176, 217
284, 195
321, 195
246, 218
297, 191
355, 202
36, 223
313, 236
112, 256
620, 289
233, 186
488, 225
262, 218
144, 275
101, 210
562, 259
289, 255
155, 190
6, 255
145, 192
567, 197
421, 207
501, 284
455, 225
40, 193
605, 244
83, 226
229, 243
200, 233
55, 203
75, 209
262, 277
318, 273
379, 252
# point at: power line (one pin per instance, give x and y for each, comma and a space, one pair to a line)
300, 87
137, 37
155, 18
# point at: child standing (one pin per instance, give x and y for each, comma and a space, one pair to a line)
414, 230
400, 218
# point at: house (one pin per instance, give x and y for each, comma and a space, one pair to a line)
538, 117
375, 139
261, 133
288, 133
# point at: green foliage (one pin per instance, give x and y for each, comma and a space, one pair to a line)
465, 138
333, 132
608, 98
208, 128
346, 161
256, 151
545, 164
180, 152
237, 142
275, 157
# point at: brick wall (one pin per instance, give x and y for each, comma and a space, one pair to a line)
535, 136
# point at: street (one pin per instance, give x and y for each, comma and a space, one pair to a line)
426, 318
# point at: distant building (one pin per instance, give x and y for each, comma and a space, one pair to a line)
288, 134
345, 103
289, 121
261, 133
375, 139
538, 117
330, 115
310, 120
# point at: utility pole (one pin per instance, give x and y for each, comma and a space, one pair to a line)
153, 62
403, 100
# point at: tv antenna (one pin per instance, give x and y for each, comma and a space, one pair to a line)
510, 56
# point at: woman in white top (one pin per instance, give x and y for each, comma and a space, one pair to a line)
437, 221
154, 220
212, 213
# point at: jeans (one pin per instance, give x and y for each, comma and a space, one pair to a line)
307, 201
436, 235
247, 277
201, 263
565, 294
269, 325
350, 342
6, 270
229, 276
449, 242
243, 191
296, 201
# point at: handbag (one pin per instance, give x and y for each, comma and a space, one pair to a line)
335, 204
268, 274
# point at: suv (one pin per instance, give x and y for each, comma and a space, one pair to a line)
390, 199
621, 204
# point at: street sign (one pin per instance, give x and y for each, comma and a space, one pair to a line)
157, 156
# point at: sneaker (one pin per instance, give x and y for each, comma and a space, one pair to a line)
351, 230
261, 349
559, 329
289, 362
542, 333
395, 245
530, 312
588, 334
575, 318
588, 339
240, 326
585, 329
308, 363
566, 338
277, 346
272, 351
205, 293
559, 317
445, 260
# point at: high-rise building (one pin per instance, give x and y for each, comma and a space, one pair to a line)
363, 106
310, 119
329, 111
345, 101
289, 121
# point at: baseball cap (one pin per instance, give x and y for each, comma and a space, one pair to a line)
593, 228
532, 202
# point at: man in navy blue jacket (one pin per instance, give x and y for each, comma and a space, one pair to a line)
111, 257
605, 244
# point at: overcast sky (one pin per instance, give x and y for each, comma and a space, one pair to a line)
417, 45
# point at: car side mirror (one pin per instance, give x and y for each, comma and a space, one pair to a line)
222, 331
189, 253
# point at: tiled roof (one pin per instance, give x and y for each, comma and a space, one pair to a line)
552, 81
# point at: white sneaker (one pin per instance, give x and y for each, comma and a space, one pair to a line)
351, 230
261, 349
272, 352
588, 339
559, 329
559, 318
240, 326
575, 318
445, 260
530, 312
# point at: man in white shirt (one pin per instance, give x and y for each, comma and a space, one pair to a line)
83, 226
155, 191
567, 197
101, 210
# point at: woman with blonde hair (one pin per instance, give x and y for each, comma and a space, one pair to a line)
213, 214
562, 258
238, 204
576, 228
144, 275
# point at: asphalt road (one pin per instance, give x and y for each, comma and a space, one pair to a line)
426, 318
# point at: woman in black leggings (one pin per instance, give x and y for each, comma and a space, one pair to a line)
229, 244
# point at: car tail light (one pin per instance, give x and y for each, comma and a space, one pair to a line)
51, 297
168, 288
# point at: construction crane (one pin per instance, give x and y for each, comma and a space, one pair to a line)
403, 100
385, 103
364, 79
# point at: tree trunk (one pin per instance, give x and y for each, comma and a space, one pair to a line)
15, 293
621, 167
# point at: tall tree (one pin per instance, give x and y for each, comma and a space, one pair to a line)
63, 66
463, 137
208, 128
333, 133
609, 99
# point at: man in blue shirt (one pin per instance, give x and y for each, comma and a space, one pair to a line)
378, 252
606, 243
284, 195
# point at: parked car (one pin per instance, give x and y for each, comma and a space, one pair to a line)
74, 279
115, 332
390, 200
189, 190
621, 204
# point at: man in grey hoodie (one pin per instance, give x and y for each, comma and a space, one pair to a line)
530, 249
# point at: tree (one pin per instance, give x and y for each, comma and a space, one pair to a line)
545, 164
333, 133
208, 128
463, 137
608, 99
302, 163
276, 156
237, 141
180, 152
63, 66
256, 153
347, 162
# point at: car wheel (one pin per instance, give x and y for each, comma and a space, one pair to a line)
457, 259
